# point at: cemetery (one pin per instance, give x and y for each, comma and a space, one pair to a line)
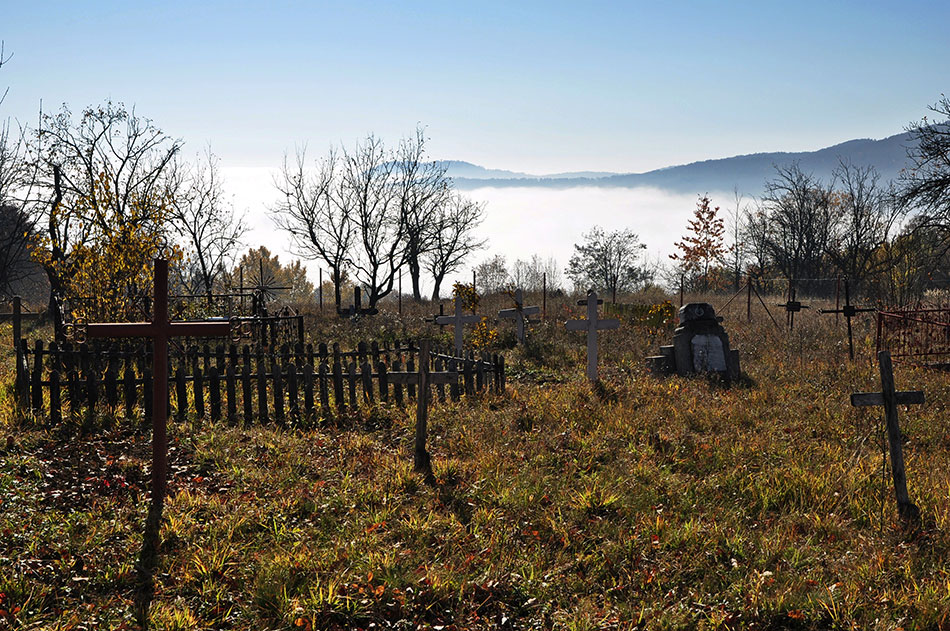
562, 458
332, 375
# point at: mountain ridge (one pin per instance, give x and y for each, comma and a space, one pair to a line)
746, 172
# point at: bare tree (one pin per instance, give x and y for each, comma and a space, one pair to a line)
926, 186
422, 190
453, 238
867, 214
205, 220
371, 199
531, 275
800, 219
107, 173
312, 211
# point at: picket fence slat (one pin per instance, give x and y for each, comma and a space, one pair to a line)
295, 383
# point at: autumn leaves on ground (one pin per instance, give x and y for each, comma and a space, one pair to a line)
638, 502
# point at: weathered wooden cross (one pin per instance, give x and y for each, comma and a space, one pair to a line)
160, 329
592, 324
459, 320
890, 399
792, 306
423, 379
519, 314
849, 311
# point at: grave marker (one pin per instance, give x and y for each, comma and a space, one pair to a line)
890, 399
849, 311
459, 320
160, 329
423, 379
592, 324
519, 314
792, 306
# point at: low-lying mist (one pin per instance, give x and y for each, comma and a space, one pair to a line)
519, 222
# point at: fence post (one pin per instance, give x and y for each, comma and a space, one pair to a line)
421, 459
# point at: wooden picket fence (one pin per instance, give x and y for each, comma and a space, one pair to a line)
242, 384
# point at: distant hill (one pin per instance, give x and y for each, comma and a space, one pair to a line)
748, 173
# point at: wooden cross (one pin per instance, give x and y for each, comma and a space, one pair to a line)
890, 399
423, 378
792, 306
519, 314
849, 311
459, 320
592, 324
160, 329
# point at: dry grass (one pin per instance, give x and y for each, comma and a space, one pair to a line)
638, 503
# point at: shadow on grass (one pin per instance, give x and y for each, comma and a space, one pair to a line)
147, 564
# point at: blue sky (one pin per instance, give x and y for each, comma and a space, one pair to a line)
529, 86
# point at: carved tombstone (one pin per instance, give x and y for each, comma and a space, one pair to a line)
700, 345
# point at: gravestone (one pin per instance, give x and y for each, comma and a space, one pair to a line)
700, 345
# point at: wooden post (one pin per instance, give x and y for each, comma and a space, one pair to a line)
748, 298
889, 398
544, 295
421, 459
17, 321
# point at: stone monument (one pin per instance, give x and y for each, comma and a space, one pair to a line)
700, 346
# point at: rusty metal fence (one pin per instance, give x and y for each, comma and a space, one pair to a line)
917, 336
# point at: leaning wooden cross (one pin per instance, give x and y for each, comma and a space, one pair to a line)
459, 321
890, 399
423, 378
592, 324
519, 314
160, 329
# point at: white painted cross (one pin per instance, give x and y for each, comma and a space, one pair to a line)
592, 324
519, 314
459, 320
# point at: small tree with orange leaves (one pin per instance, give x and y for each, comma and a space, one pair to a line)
703, 246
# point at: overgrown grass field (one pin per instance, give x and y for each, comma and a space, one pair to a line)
636, 503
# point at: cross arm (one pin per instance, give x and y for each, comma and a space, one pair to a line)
577, 325
868, 399
120, 329
608, 324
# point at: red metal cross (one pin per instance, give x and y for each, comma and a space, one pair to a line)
160, 329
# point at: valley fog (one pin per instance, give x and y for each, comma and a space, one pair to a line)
518, 222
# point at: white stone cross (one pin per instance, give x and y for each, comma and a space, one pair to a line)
519, 314
592, 324
459, 320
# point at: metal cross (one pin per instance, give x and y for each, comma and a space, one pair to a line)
459, 320
160, 329
849, 311
890, 399
592, 324
792, 306
519, 314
